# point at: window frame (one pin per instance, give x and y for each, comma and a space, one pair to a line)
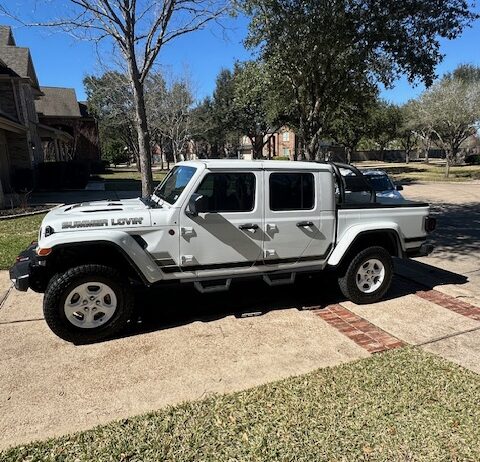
314, 196
255, 189
167, 177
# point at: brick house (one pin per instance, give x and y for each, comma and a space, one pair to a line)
59, 112
282, 143
20, 146
36, 121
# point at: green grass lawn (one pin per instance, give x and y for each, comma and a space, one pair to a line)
419, 171
15, 235
126, 179
404, 405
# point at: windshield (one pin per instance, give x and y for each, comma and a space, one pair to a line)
380, 182
174, 183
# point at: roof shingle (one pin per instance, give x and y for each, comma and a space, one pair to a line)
61, 102
6, 36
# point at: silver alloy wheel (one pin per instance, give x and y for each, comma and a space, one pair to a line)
370, 276
90, 305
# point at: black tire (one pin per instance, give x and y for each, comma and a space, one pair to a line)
61, 285
348, 282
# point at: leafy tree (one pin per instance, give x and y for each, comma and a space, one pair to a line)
115, 152
385, 120
324, 48
204, 128
407, 134
110, 101
246, 102
257, 112
224, 115
215, 121
421, 128
353, 121
451, 111
467, 73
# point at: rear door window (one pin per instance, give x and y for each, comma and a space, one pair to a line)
292, 191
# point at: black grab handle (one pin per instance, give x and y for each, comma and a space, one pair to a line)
250, 226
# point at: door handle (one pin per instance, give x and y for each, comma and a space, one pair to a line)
249, 226
271, 227
304, 224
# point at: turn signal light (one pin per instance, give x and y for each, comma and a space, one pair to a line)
43, 252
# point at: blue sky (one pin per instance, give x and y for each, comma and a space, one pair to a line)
62, 61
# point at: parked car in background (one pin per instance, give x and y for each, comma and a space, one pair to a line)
385, 189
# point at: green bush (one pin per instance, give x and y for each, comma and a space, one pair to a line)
114, 152
472, 159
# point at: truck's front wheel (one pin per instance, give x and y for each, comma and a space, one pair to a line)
368, 276
87, 303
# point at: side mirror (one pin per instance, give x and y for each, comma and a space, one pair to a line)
399, 187
194, 205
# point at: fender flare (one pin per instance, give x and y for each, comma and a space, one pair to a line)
351, 235
123, 243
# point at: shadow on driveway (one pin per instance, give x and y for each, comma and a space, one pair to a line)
458, 230
172, 306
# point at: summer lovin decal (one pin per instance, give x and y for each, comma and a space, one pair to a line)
102, 222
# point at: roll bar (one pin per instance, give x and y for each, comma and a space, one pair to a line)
353, 183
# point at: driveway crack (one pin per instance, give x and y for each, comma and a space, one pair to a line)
4, 296
446, 337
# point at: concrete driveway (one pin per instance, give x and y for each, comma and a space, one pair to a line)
457, 238
185, 345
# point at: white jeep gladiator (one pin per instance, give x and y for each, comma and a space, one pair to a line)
210, 221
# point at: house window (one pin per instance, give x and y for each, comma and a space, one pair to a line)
286, 136
228, 192
286, 152
292, 191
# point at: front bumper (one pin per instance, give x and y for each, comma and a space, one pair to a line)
21, 271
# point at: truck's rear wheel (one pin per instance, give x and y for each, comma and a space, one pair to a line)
87, 303
368, 276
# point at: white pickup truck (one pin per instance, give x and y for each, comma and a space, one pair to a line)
211, 221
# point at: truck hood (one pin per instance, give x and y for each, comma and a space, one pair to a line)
130, 213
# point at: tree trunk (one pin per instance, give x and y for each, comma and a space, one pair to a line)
348, 154
257, 146
407, 156
447, 165
145, 159
312, 148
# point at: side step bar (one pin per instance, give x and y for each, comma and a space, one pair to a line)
279, 279
207, 287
